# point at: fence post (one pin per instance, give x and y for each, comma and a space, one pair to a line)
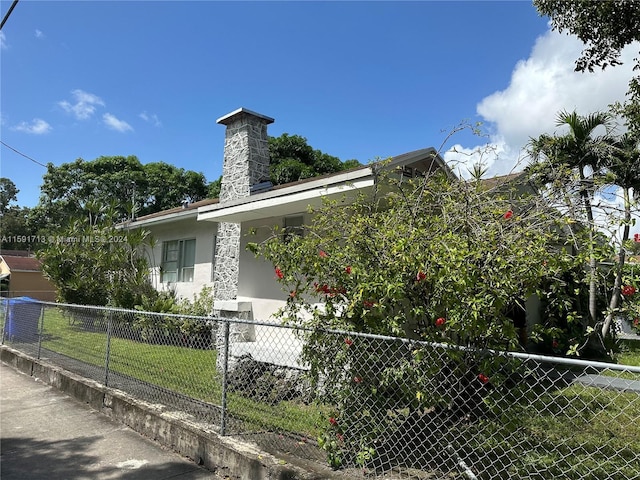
40, 330
5, 314
107, 353
225, 369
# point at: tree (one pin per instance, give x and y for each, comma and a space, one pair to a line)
68, 188
623, 165
426, 259
213, 189
169, 186
8, 193
14, 227
293, 159
605, 27
579, 151
91, 262
575, 168
15, 231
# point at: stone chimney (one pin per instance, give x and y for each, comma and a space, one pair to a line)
246, 153
246, 163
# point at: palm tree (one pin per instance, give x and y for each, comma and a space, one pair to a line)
571, 164
623, 164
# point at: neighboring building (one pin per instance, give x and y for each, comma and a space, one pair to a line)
21, 276
203, 244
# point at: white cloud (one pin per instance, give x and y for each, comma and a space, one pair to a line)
39, 34
539, 88
36, 127
153, 119
3, 41
115, 124
83, 106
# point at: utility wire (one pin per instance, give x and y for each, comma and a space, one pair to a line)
6, 17
25, 156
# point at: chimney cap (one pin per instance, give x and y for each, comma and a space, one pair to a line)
230, 117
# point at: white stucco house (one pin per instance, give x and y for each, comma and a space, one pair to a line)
204, 243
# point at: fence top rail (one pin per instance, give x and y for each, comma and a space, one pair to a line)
127, 310
445, 346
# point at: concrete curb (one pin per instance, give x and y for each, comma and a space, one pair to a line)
223, 455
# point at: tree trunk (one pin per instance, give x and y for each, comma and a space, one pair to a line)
592, 259
617, 284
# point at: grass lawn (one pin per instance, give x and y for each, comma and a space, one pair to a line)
630, 353
577, 432
188, 371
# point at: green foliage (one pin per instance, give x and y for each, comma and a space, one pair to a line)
573, 170
429, 259
91, 262
604, 27
174, 328
292, 159
8, 193
68, 189
14, 230
213, 190
418, 252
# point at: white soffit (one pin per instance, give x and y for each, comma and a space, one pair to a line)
282, 205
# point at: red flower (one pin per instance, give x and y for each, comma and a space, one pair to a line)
324, 288
440, 322
279, 273
340, 437
293, 294
348, 269
636, 322
348, 341
554, 343
628, 290
636, 237
483, 378
357, 379
508, 214
420, 276
323, 254
368, 304
333, 421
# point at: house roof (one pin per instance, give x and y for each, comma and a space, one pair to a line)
185, 211
295, 197
500, 180
22, 264
16, 253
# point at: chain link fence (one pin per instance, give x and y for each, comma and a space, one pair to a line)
371, 406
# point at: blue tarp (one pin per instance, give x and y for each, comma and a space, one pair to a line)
22, 317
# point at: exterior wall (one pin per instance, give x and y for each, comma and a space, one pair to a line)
31, 284
257, 282
204, 233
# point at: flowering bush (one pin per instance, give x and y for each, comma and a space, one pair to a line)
430, 260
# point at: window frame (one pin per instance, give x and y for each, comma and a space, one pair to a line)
295, 229
182, 253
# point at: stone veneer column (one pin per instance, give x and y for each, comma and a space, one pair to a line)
246, 162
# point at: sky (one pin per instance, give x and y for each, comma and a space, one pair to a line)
363, 80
